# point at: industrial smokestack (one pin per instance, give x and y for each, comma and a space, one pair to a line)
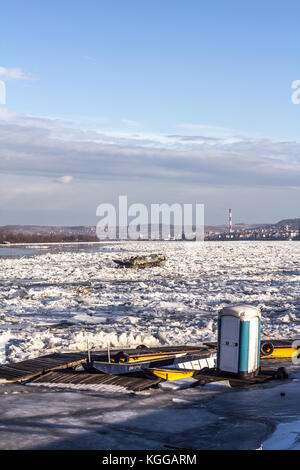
230, 221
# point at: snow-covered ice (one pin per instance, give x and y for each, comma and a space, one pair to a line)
54, 301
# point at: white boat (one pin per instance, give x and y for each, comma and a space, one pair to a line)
194, 363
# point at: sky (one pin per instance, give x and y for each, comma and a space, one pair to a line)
165, 102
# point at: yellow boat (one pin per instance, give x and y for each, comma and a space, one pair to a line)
278, 349
170, 374
282, 352
138, 358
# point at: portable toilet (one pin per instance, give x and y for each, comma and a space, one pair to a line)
239, 340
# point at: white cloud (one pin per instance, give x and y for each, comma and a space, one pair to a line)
13, 74
67, 179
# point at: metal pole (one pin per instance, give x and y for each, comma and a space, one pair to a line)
108, 352
88, 349
230, 221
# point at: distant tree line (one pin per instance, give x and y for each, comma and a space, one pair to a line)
12, 237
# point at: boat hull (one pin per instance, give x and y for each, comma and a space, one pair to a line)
282, 352
170, 374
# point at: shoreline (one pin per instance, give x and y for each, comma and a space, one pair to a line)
28, 244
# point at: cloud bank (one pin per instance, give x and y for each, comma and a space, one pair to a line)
33, 146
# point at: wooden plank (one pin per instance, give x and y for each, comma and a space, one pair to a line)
32, 367
13, 372
91, 378
69, 378
61, 378
52, 377
123, 381
8, 375
82, 378
105, 378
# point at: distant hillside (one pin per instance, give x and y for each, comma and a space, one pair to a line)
47, 229
90, 230
293, 224
46, 234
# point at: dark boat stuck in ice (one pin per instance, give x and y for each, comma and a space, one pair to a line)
142, 262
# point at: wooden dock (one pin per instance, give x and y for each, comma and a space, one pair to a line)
23, 370
19, 371
59, 369
102, 382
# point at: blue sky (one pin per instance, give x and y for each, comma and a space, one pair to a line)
176, 102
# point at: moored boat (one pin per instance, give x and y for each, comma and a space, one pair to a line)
206, 358
279, 348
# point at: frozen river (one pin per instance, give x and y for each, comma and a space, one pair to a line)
53, 301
